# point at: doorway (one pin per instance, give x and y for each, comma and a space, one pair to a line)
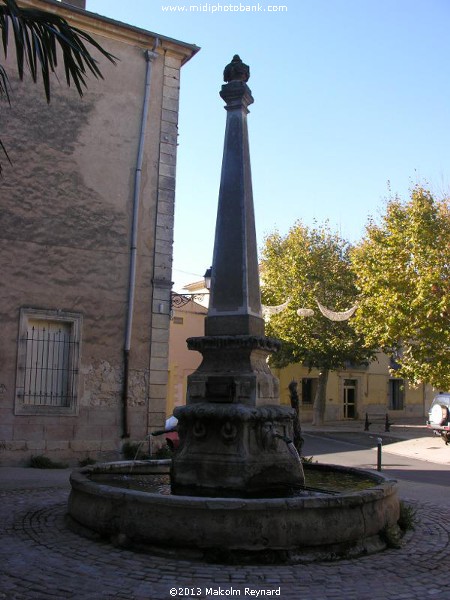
349, 400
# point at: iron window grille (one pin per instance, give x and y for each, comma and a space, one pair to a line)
48, 360
49, 364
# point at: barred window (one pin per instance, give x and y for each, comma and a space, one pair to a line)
48, 362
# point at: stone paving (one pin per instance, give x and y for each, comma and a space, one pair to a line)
41, 559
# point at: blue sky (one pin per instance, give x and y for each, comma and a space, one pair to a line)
352, 98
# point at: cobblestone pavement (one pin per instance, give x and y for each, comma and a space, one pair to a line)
41, 559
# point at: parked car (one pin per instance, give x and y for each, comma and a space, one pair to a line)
439, 416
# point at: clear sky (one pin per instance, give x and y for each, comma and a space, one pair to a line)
352, 98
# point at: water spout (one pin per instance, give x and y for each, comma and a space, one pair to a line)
290, 445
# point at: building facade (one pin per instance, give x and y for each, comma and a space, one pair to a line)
187, 320
357, 390
351, 392
86, 233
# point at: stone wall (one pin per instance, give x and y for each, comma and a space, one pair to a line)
65, 229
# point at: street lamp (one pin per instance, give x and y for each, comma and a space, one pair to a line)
179, 300
207, 278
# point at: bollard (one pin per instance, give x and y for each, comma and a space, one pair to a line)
379, 446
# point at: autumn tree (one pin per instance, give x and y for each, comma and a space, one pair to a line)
402, 267
306, 266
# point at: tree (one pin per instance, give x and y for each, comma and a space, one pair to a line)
40, 39
403, 275
305, 266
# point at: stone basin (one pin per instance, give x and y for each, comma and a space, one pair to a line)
291, 529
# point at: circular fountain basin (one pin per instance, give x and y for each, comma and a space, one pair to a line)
315, 525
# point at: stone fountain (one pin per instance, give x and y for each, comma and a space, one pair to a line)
237, 482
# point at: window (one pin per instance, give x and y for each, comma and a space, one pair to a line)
396, 394
47, 365
309, 389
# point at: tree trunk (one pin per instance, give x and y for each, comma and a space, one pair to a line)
321, 398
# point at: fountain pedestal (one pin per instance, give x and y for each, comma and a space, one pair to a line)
231, 452
235, 438
232, 442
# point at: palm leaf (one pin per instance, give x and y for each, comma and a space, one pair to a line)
5, 153
4, 94
39, 38
4, 84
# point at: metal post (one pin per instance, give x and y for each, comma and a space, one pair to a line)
379, 446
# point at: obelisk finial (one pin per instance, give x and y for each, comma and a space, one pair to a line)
236, 71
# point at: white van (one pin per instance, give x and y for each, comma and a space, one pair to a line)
439, 416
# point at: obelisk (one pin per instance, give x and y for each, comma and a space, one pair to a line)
234, 435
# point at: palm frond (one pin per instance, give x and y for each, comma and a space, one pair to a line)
4, 94
4, 83
39, 38
5, 153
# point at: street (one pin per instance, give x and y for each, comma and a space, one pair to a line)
359, 450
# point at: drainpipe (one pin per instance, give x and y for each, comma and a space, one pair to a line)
149, 56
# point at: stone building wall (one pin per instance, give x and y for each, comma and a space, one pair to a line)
187, 321
66, 206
